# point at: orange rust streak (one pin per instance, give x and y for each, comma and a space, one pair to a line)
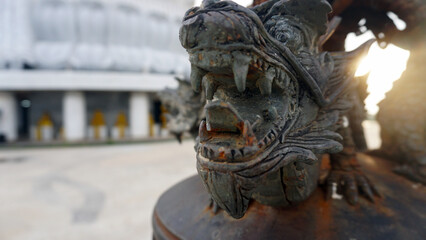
240, 126
325, 168
250, 140
257, 2
163, 228
325, 219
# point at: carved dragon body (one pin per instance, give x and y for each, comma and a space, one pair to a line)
275, 102
184, 109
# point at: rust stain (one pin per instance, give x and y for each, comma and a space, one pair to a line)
160, 226
324, 219
325, 168
240, 126
250, 140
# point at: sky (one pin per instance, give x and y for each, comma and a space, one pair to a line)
385, 65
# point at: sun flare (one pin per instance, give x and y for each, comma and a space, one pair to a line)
383, 65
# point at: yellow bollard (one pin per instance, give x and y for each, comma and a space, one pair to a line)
164, 129
120, 128
44, 128
151, 125
163, 117
97, 129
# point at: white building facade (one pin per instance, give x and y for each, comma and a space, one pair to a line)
73, 67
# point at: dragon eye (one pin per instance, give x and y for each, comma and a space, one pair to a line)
283, 36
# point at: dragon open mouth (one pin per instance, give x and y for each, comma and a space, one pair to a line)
245, 111
250, 89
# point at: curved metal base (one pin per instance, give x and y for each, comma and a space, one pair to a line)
184, 212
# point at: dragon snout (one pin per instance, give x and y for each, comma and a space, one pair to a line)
215, 28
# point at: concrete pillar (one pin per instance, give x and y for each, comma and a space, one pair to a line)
74, 116
139, 115
8, 116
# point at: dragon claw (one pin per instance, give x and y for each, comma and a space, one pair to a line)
351, 184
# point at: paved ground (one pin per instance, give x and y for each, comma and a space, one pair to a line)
102, 192
96, 193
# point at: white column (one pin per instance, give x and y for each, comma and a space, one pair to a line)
139, 115
8, 116
74, 116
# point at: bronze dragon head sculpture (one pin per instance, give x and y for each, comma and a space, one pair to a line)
274, 101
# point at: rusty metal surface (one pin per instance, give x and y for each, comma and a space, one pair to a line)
183, 212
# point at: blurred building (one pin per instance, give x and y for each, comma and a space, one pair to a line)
79, 69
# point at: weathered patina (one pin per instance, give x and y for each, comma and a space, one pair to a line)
275, 103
